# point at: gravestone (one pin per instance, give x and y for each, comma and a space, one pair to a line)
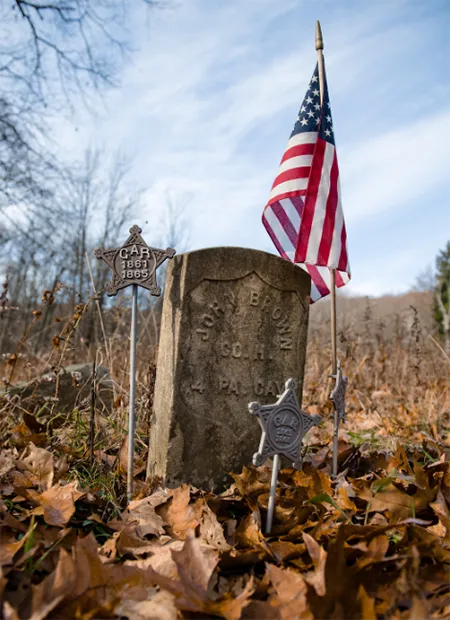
234, 328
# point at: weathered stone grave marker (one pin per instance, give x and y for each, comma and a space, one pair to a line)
234, 328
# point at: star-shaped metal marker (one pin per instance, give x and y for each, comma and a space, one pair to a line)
134, 263
284, 425
338, 393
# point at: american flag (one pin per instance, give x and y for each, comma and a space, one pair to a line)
304, 216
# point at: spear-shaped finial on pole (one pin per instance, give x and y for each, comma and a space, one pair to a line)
319, 48
319, 39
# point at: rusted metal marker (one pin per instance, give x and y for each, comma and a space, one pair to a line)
133, 264
337, 396
283, 427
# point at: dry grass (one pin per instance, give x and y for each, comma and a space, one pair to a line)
398, 373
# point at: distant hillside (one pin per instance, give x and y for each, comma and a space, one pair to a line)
391, 313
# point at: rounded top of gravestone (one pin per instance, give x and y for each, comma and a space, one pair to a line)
230, 262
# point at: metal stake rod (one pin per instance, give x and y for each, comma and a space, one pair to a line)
334, 368
319, 48
131, 418
273, 493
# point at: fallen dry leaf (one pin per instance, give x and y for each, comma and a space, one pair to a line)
59, 584
367, 605
179, 514
375, 551
138, 464
159, 606
7, 461
58, 503
141, 514
289, 598
232, 605
319, 556
10, 545
160, 558
193, 590
211, 531
195, 565
81, 581
399, 504
40, 463
334, 552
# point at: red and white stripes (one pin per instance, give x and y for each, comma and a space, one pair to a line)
304, 215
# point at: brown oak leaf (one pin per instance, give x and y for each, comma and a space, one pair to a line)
289, 597
40, 463
58, 503
179, 514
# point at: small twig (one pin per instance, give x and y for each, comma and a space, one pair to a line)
102, 325
92, 411
440, 348
36, 316
99, 309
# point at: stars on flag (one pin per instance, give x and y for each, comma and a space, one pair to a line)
310, 116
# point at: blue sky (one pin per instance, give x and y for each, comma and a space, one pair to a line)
207, 105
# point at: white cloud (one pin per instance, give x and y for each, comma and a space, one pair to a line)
396, 168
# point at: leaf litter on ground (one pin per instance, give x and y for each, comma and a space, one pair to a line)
372, 543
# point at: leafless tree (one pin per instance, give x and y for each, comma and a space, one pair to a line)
52, 55
425, 281
56, 55
95, 203
101, 202
174, 223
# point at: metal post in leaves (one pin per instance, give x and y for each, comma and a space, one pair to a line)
133, 264
337, 396
283, 427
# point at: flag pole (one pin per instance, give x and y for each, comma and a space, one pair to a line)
334, 368
319, 48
